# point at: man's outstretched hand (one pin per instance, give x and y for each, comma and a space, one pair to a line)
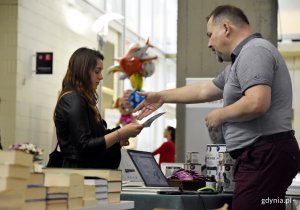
150, 104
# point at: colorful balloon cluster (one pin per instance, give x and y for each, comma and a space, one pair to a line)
135, 64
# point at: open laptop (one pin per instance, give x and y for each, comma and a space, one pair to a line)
153, 178
130, 175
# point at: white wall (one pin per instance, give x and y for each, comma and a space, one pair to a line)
42, 26
294, 67
291, 53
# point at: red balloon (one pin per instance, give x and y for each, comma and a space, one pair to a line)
130, 65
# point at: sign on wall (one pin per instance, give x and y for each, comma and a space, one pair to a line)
44, 62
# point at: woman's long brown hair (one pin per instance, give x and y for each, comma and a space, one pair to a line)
82, 62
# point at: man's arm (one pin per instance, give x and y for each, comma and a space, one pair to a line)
257, 101
195, 93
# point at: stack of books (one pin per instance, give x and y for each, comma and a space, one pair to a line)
95, 190
113, 178
35, 194
114, 191
64, 191
15, 167
105, 191
89, 198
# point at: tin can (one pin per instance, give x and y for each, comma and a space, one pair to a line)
192, 157
188, 157
212, 154
193, 167
225, 158
225, 177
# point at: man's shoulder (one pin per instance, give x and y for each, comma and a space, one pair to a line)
259, 42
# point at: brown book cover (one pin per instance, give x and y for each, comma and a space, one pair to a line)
36, 179
57, 204
14, 171
35, 193
75, 203
63, 179
88, 202
110, 175
73, 191
114, 186
55, 189
89, 192
16, 157
11, 199
35, 205
57, 196
113, 197
13, 184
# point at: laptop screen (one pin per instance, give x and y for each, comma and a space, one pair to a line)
148, 168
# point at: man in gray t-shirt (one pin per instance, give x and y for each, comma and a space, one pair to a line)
257, 112
269, 71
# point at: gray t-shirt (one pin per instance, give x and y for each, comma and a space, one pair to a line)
258, 62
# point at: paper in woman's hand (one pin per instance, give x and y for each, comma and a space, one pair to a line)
148, 122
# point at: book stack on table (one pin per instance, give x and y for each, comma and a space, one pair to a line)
35, 193
15, 167
64, 191
104, 183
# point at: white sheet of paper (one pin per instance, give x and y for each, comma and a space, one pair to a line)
148, 122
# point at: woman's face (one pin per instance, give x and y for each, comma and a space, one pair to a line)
166, 133
96, 74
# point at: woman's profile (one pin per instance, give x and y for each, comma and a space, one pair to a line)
167, 149
82, 133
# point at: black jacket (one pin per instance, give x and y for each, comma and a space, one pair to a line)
81, 137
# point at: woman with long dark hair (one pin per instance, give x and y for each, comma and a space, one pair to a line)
83, 137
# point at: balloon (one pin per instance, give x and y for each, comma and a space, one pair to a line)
135, 99
114, 68
130, 65
135, 64
147, 69
126, 95
136, 81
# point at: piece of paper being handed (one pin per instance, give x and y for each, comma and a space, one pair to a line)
148, 122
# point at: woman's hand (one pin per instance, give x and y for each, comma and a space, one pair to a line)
130, 130
151, 103
124, 142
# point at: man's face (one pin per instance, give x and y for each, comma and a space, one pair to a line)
217, 40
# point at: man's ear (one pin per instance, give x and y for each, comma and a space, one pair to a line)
227, 29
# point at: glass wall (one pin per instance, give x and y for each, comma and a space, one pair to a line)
156, 20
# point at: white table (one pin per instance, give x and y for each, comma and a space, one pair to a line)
112, 206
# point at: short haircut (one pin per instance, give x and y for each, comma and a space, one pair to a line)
232, 13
